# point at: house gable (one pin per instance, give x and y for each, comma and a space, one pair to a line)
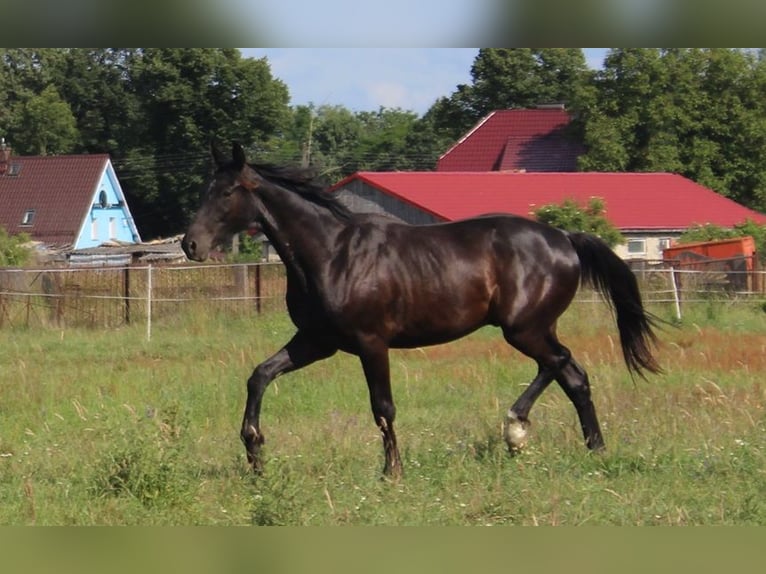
532, 140
52, 199
108, 218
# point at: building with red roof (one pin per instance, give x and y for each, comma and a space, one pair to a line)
650, 209
531, 140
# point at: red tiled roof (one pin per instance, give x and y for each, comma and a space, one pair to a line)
531, 140
59, 188
633, 201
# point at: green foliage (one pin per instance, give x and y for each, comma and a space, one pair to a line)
14, 251
249, 250
46, 125
144, 462
186, 97
571, 217
340, 142
515, 78
153, 110
697, 112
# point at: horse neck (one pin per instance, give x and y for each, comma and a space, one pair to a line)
301, 231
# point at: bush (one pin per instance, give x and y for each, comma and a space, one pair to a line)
571, 217
14, 251
250, 250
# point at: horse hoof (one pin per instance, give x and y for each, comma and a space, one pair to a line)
515, 432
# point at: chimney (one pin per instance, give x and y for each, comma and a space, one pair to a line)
5, 157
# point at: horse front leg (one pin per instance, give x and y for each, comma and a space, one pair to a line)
297, 353
377, 372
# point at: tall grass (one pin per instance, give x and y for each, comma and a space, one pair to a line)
102, 427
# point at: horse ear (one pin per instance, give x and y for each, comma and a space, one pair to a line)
238, 155
218, 157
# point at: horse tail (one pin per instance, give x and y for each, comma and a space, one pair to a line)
603, 270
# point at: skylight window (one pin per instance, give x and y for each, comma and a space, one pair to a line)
29, 217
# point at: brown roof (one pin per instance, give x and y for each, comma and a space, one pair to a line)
533, 140
60, 190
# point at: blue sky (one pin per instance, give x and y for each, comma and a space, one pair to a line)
406, 23
364, 79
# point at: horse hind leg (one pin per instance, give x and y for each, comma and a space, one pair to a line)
551, 357
574, 381
516, 423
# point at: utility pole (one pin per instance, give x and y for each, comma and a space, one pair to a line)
306, 159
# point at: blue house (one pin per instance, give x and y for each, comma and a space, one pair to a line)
67, 202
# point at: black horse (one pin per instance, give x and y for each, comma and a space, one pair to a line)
365, 283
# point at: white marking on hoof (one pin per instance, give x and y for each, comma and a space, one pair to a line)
251, 435
515, 431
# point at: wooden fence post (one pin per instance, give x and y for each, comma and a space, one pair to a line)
676, 295
149, 302
126, 293
258, 288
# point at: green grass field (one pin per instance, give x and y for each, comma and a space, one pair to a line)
105, 428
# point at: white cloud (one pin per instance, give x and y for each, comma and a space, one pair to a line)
390, 95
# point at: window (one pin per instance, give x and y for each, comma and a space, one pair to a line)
28, 217
665, 242
636, 246
94, 229
112, 227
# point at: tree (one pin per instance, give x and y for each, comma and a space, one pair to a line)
336, 133
153, 110
516, 78
186, 98
96, 85
340, 142
33, 115
569, 216
385, 144
46, 124
696, 112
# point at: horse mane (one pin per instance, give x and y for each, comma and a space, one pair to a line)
302, 181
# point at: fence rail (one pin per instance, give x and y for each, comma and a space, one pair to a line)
114, 296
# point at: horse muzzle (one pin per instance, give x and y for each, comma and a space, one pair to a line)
193, 249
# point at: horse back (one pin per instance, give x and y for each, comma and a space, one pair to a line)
419, 285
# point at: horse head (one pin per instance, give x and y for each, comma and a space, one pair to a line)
228, 206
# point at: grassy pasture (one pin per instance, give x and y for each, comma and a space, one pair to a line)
102, 427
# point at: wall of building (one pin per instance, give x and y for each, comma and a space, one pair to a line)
645, 245
362, 198
109, 218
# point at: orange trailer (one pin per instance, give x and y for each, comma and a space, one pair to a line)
722, 249
735, 258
